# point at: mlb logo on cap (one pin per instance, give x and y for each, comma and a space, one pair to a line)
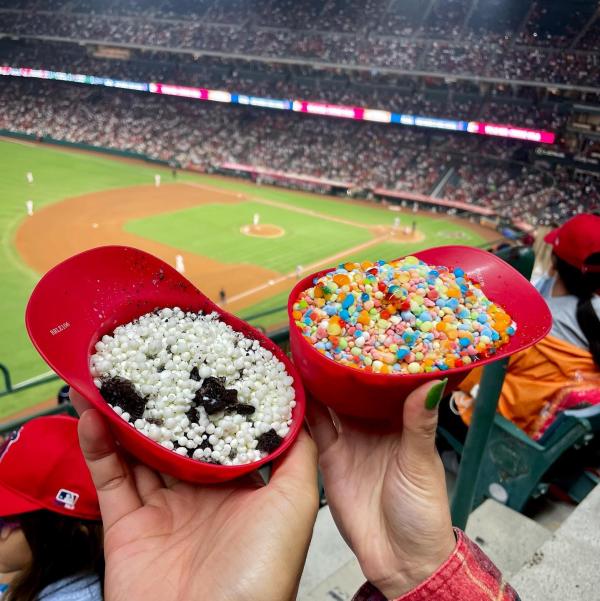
67, 499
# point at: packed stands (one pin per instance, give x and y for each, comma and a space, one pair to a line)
528, 107
490, 39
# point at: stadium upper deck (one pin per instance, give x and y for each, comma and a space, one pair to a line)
519, 40
373, 54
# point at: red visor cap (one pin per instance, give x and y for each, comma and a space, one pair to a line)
42, 467
576, 240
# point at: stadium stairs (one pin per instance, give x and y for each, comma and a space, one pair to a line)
549, 557
563, 567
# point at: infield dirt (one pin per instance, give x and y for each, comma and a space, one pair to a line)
62, 229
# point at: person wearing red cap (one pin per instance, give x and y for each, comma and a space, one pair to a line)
50, 529
562, 370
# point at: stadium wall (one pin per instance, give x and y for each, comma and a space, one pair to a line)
129, 154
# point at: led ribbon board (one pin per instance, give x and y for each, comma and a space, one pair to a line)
307, 107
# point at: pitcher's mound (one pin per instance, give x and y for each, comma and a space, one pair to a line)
265, 230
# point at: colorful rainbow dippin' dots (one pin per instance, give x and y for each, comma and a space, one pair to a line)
403, 317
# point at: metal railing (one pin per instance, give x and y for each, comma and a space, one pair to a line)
522, 259
9, 388
279, 336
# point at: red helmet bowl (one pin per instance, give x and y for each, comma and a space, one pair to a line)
92, 293
364, 394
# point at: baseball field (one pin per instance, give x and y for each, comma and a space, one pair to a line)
247, 240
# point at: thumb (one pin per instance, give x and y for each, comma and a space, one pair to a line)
78, 401
297, 469
421, 418
114, 482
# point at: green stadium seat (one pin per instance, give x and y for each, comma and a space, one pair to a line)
515, 468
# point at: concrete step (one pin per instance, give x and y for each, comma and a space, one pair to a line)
340, 586
566, 565
327, 554
507, 537
332, 573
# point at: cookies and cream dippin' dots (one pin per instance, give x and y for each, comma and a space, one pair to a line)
196, 386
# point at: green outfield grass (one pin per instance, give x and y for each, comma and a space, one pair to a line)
308, 237
212, 230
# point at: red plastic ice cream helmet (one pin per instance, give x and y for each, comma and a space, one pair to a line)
89, 295
378, 396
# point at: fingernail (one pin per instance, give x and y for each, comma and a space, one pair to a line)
435, 394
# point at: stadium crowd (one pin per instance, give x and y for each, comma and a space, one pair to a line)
525, 106
507, 41
533, 22
520, 42
515, 192
206, 135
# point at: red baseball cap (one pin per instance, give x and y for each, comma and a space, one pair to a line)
576, 240
42, 467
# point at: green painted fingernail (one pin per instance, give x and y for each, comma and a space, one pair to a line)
435, 394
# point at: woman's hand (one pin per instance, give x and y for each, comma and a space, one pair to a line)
170, 540
387, 490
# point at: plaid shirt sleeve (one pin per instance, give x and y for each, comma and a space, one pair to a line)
468, 575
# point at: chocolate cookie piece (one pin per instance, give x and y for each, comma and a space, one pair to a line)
241, 409
213, 395
192, 414
213, 387
118, 391
211, 405
195, 374
269, 441
230, 396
